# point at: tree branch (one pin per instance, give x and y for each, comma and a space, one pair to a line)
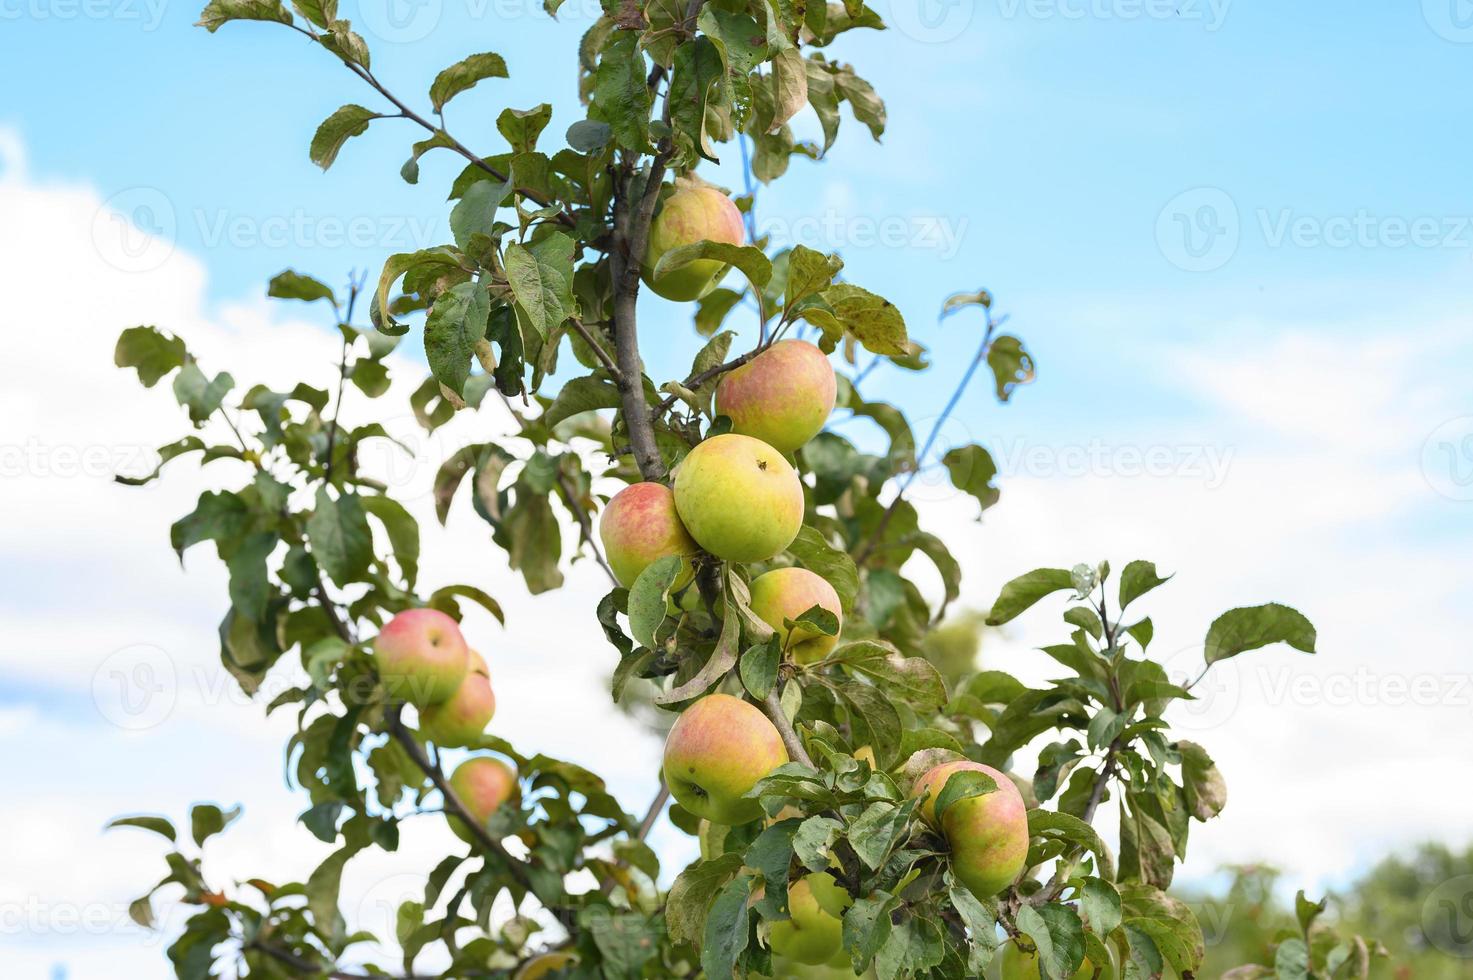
581, 329
774, 708
585, 527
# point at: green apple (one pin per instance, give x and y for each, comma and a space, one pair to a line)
716, 751
787, 593
482, 784
693, 212
739, 498
461, 719
639, 526
988, 834
1020, 965
783, 396
814, 930
421, 656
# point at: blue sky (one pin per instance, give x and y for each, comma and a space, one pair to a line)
1308, 392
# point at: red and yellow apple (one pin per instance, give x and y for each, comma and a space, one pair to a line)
693, 212
421, 656
717, 750
783, 396
461, 719
739, 498
639, 526
813, 933
787, 593
482, 784
988, 834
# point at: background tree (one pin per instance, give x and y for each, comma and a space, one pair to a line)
860, 808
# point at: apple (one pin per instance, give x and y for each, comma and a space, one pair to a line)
421, 656
639, 526
787, 593
988, 834
1020, 965
814, 930
783, 396
545, 965
693, 212
739, 498
460, 720
482, 784
716, 751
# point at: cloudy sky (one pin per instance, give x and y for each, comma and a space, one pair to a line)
1237, 238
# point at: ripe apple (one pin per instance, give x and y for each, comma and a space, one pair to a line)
460, 720
787, 593
1020, 965
716, 751
640, 525
693, 212
421, 656
783, 396
739, 498
814, 931
482, 784
988, 834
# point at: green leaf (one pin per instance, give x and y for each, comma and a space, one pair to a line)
1138, 578
541, 279
1240, 630
957, 302
403, 532
748, 259
151, 352
972, 471
521, 127
220, 12
589, 135
207, 820
1067, 827
158, 825
870, 319
456, 323
293, 285
1291, 960
692, 893
1025, 590
443, 599
319, 12
445, 260
867, 926
876, 831
648, 598
464, 74
1011, 365
913, 680
200, 395
697, 67
581, 395
813, 552
814, 841
809, 273
964, 784
727, 929
1059, 935
345, 123
340, 537
981, 921
758, 667
722, 658
1100, 903
1306, 911
1204, 787
873, 719
621, 94
322, 892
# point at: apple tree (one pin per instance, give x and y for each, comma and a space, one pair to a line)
853, 807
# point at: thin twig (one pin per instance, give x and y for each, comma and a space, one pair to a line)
582, 330
791, 741
585, 527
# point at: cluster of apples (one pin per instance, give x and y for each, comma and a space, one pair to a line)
423, 659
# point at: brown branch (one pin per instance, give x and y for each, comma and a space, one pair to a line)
631, 236
580, 328
304, 967
585, 528
774, 708
645, 826
694, 381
